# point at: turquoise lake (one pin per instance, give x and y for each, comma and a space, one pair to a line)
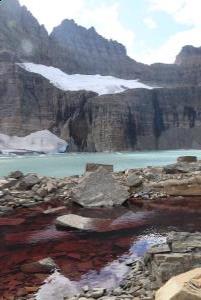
61, 165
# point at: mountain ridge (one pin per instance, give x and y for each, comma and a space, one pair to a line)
168, 117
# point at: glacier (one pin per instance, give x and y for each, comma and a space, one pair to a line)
40, 141
96, 83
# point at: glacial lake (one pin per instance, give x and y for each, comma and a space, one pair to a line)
68, 164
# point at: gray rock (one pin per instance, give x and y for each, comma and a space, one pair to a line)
99, 189
134, 180
28, 181
16, 175
79, 222
5, 209
187, 159
91, 167
184, 254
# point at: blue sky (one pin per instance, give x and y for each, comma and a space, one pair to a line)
152, 30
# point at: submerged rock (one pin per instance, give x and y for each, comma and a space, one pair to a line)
99, 188
46, 265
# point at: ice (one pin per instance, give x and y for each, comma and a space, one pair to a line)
76, 82
39, 141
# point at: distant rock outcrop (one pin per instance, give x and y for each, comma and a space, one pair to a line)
189, 56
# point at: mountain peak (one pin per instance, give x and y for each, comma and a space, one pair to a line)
189, 55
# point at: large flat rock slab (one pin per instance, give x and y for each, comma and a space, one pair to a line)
100, 189
186, 286
126, 221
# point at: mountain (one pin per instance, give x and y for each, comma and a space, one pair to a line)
96, 54
189, 56
106, 113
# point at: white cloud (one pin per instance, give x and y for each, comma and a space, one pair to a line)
104, 17
150, 23
184, 12
167, 52
169, 6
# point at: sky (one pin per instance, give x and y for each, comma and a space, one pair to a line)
152, 30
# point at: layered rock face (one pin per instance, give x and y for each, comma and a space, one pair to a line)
133, 120
141, 119
30, 103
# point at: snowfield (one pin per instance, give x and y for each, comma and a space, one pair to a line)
76, 82
40, 141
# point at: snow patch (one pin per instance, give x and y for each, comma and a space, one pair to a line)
76, 82
40, 141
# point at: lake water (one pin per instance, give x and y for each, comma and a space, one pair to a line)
69, 164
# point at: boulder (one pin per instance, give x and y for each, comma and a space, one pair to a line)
99, 189
186, 286
134, 180
28, 181
91, 167
16, 175
187, 159
79, 222
177, 168
124, 221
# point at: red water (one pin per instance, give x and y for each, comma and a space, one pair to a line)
30, 235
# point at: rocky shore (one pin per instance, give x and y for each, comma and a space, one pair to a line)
172, 187
100, 186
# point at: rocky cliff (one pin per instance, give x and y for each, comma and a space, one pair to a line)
189, 56
134, 120
142, 119
137, 119
96, 54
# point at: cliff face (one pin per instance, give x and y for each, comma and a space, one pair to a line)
30, 103
189, 56
142, 119
134, 120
